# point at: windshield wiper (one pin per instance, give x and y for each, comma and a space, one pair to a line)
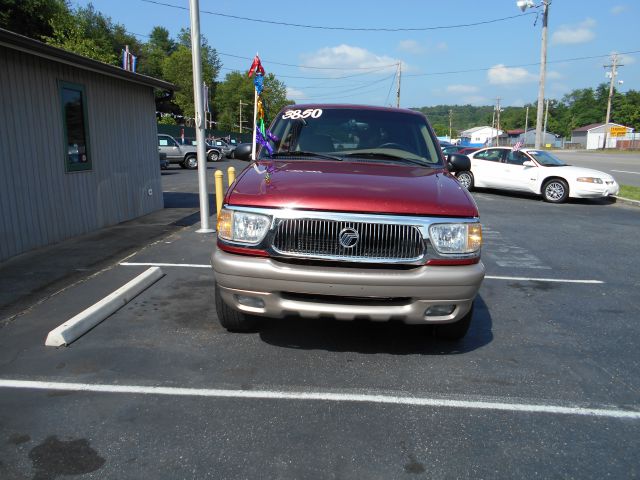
306, 154
387, 156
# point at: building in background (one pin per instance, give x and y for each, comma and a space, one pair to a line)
592, 136
549, 139
79, 145
479, 136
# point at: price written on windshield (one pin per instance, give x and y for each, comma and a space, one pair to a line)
297, 114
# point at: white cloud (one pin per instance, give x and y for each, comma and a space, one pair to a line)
573, 34
415, 47
345, 57
412, 46
442, 46
626, 59
462, 89
294, 94
618, 9
503, 75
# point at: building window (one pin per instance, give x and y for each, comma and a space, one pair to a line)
74, 120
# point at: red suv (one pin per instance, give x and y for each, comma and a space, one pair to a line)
348, 212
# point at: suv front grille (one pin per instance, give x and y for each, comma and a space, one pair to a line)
361, 242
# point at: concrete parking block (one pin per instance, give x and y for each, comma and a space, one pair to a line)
92, 316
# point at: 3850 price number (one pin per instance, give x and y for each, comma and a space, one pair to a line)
297, 114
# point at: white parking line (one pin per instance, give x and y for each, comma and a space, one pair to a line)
625, 171
326, 397
489, 277
529, 279
189, 265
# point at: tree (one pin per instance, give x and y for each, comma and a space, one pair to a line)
31, 17
88, 32
441, 129
177, 68
158, 47
237, 87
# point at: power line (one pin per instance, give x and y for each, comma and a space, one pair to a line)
484, 69
354, 29
307, 66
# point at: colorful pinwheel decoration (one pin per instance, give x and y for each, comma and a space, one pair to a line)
262, 135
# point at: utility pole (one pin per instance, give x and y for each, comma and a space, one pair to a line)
526, 125
240, 122
614, 71
546, 116
399, 77
498, 121
450, 119
196, 59
543, 72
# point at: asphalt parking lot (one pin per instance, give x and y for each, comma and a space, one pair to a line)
546, 384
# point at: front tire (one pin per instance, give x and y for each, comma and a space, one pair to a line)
555, 190
213, 156
466, 180
191, 162
233, 320
456, 330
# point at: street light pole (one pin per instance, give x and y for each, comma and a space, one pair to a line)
198, 97
543, 72
523, 5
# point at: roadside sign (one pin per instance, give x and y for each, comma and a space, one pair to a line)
618, 131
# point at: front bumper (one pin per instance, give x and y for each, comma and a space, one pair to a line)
344, 293
588, 190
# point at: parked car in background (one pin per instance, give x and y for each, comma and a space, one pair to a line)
468, 150
213, 153
223, 146
449, 149
184, 155
535, 171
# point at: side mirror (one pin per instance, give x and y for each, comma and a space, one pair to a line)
243, 151
457, 162
528, 163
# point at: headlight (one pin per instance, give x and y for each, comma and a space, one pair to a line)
456, 237
242, 227
589, 179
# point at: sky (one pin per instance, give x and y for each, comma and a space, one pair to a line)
354, 56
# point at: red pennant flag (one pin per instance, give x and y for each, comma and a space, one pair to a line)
256, 67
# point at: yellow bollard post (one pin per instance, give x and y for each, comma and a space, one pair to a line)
231, 175
219, 191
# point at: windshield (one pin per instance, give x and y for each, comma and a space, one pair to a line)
546, 159
354, 134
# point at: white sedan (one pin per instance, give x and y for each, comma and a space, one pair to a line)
535, 171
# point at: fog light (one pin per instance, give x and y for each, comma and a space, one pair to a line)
439, 310
253, 302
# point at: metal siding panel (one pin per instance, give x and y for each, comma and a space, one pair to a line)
41, 203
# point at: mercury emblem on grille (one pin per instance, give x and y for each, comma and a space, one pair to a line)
348, 237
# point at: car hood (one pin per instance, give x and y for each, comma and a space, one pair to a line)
570, 171
351, 187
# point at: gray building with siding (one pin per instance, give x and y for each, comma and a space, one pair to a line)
78, 142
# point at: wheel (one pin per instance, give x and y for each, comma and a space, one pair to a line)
455, 330
191, 162
466, 180
182, 164
233, 320
555, 190
213, 156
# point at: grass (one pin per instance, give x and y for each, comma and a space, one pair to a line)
630, 192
